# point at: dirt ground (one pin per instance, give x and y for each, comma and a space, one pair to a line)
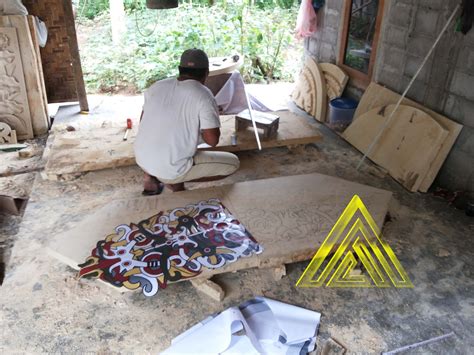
44, 308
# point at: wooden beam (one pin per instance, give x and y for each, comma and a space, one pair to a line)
76, 59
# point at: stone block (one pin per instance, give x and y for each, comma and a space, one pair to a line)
413, 63
313, 46
389, 78
448, 47
457, 172
419, 45
465, 61
332, 19
336, 5
435, 98
433, 4
394, 57
462, 84
465, 141
426, 21
400, 14
440, 73
396, 36
460, 110
327, 53
417, 91
330, 36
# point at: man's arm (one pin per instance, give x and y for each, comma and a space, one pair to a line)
211, 136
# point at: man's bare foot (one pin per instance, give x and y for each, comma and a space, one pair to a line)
176, 187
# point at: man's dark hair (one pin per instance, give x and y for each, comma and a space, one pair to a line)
196, 73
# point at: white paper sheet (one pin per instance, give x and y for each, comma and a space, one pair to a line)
258, 326
231, 97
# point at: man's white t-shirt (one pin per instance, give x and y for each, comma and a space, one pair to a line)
174, 114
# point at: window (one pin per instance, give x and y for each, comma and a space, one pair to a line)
362, 22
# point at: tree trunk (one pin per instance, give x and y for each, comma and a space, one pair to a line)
117, 19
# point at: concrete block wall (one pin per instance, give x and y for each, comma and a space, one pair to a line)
324, 44
446, 84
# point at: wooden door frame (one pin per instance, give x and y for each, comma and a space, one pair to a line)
358, 78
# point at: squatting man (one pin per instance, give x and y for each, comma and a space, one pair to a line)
178, 114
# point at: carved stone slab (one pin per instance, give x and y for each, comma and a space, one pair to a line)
31, 69
407, 146
14, 107
290, 224
310, 91
336, 79
7, 135
103, 148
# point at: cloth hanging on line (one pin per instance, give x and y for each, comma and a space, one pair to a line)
306, 22
258, 326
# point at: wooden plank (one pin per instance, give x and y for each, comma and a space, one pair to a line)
103, 148
290, 224
76, 59
293, 129
377, 95
336, 79
408, 145
14, 107
34, 90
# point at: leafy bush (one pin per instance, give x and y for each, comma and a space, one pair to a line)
154, 41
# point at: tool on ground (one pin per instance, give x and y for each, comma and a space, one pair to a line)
421, 343
266, 121
389, 119
129, 127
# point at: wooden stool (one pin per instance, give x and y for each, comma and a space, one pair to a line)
266, 121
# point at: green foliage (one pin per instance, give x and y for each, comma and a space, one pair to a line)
154, 41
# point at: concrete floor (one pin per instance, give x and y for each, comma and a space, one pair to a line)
45, 309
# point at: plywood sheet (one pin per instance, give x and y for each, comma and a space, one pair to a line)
336, 79
290, 224
103, 148
33, 83
14, 107
377, 95
310, 92
409, 143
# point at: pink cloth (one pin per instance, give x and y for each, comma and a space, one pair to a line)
306, 21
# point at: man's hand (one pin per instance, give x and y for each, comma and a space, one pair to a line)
211, 136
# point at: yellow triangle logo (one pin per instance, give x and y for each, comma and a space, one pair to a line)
354, 234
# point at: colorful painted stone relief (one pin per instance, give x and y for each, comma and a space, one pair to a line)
170, 246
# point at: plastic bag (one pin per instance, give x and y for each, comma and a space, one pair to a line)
306, 21
41, 32
12, 7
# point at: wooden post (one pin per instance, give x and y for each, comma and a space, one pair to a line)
76, 60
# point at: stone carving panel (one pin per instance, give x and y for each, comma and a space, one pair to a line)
14, 108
